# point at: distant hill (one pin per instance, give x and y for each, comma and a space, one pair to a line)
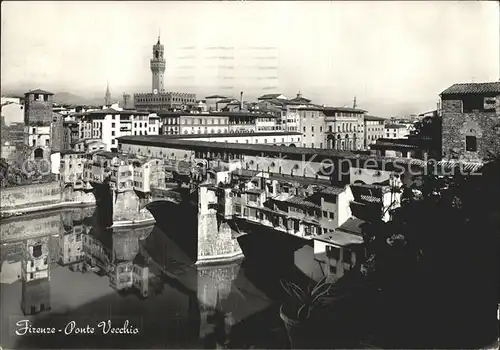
72, 99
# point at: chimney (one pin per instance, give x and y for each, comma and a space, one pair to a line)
241, 100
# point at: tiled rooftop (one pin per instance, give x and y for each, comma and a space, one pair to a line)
268, 96
373, 118
392, 144
114, 111
473, 88
39, 91
371, 199
301, 201
215, 96
343, 109
340, 238
353, 225
395, 126
334, 191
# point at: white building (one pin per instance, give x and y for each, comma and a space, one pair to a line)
12, 109
37, 136
396, 131
291, 119
108, 124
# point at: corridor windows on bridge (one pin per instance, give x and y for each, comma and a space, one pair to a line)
471, 143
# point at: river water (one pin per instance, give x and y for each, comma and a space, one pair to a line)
138, 281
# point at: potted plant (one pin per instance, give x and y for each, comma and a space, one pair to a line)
298, 309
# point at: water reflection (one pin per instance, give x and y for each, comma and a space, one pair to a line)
78, 271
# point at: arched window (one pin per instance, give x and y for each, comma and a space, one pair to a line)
471, 143
472, 132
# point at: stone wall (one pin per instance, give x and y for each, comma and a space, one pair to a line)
456, 125
69, 194
38, 112
30, 195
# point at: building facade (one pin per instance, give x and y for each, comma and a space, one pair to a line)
396, 131
374, 130
312, 121
57, 133
12, 109
108, 124
470, 121
344, 128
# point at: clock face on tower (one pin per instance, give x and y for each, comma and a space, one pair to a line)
155, 91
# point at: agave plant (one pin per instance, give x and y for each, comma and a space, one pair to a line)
304, 300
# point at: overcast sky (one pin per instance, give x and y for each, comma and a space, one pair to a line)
396, 57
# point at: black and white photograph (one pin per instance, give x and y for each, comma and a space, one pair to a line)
250, 174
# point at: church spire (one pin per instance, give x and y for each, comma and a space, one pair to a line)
107, 97
159, 33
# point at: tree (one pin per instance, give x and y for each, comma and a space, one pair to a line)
428, 130
434, 267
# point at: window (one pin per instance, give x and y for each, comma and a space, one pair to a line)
346, 257
471, 143
37, 250
47, 142
112, 125
333, 253
473, 103
304, 129
325, 214
331, 215
112, 133
312, 128
320, 129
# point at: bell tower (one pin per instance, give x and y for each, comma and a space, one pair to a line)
158, 66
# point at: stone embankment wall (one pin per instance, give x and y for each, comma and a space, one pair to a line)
41, 224
30, 195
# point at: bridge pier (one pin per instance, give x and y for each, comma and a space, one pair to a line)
129, 208
216, 241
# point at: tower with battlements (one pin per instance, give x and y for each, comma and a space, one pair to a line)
158, 65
